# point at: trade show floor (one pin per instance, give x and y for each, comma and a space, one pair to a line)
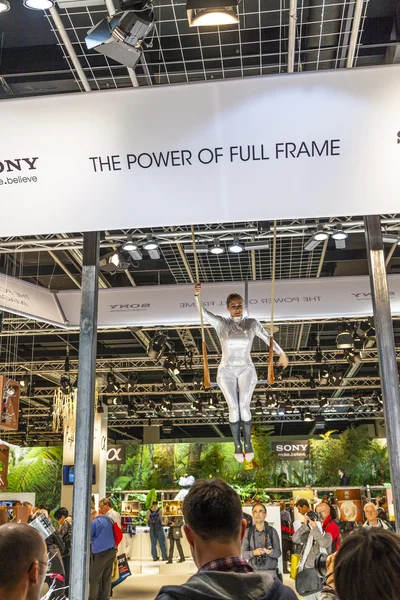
146, 585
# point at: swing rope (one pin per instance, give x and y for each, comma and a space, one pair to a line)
271, 375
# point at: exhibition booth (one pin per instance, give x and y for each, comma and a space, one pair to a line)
255, 182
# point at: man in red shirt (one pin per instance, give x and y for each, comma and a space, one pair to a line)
329, 524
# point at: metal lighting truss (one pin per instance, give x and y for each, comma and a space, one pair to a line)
181, 235
144, 363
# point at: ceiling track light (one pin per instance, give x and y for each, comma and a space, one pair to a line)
345, 340
39, 4
390, 238
4, 6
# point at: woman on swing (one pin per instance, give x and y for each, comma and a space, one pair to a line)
237, 376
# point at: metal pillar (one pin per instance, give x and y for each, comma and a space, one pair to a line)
386, 351
80, 557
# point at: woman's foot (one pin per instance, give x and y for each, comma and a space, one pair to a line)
239, 457
248, 457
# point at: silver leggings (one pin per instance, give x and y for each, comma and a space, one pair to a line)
237, 385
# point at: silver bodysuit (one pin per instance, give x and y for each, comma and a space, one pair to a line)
237, 376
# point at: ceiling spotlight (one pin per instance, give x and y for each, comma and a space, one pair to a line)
324, 376
4, 6
150, 243
270, 400
390, 238
358, 399
38, 4
322, 400
281, 410
345, 340
157, 346
258, 409
171, 365
318, 355
213, 402
197, 381
112, 384
335, 378
120, 37
129, 245
318, 236
338, 233
236, 247
133, 379
113, 262
208, 13
216, 248
308, 416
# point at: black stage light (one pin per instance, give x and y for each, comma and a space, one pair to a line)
171, 364
121, 36
157, 346
322, 400
258, 409
308, 416
345, 339
133, 380
114, 261
112, 384
324, 376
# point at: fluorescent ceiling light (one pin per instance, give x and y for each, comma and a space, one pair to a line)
340, 244
4, 6
154, 254
257, 245
39, 4
390, 238
135, 254
311, 244
151, 243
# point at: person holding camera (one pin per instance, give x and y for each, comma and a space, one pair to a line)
312, 538
260, 546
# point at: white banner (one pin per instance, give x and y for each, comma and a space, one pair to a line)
277, 147
30, 300
295, 299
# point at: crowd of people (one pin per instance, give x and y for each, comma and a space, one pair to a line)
236, 558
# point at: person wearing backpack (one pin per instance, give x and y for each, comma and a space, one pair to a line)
214, 527
65, 522
261, 546
157, 534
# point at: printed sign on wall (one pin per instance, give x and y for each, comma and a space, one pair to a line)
116, 455
296, 450
218, 152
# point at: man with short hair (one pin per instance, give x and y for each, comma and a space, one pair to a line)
373, 520
215, 528
103, 555
344, 480
261, 545
65, 522
328, 524
23, 566
106, 508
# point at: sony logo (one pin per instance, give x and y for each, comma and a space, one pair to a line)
18, 164
127, 306
367, 294
291, 447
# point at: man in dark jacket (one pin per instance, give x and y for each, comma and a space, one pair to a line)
215, 528
344, 480
261, 545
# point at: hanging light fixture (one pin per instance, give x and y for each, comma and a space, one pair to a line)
4, 6
157, 346
39, 4
236, 247
129, 245
150, 243
338, 233
216, 248
320, 235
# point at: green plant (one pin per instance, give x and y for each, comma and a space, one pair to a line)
150, 499
39, 471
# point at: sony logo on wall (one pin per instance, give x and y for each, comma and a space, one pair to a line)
297, 450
